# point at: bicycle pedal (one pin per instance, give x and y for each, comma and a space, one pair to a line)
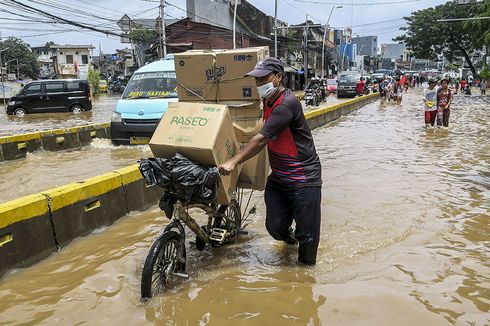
181, 275
242, 231
218, 234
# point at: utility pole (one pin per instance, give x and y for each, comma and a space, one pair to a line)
163, 40
234, 24
18, 74
324, 38
305, 56
1, 75
275, 30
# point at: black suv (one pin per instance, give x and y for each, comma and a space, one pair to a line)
55, 95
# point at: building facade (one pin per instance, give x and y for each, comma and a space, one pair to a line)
72, 61
45, 59
392, 50
366, 45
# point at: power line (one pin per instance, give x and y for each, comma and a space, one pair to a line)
61, 19
358, 4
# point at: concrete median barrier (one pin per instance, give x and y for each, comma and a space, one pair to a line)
26, 233
79, 208
320, 117
15, 147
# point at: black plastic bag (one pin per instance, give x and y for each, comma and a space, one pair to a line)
186, 180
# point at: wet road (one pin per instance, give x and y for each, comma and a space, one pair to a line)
102, 108
405, 241
44, 170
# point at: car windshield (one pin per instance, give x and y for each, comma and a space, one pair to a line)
159, 84
332, 82
351, 78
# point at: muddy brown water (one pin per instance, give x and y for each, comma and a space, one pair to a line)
44, 170
102, 109
405, 241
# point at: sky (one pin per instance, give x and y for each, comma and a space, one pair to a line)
382, 20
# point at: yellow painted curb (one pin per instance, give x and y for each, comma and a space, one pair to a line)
130, 174
41, 134
320, 111
23, 208
75, 192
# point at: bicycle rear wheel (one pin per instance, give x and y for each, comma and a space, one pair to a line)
162, 261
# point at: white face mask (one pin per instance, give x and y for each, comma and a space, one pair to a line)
267, 89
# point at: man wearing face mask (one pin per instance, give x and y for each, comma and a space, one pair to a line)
293, 191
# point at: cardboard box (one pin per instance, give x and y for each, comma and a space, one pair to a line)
233, 65
244, 112
248, 113
196, 74
203, 133
256, 170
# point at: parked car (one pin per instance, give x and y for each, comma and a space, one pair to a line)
103, 86
144, 101
55, 95
347, 83
332, 85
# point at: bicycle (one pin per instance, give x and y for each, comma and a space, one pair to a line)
166, 259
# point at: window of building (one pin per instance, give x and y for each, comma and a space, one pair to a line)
84, 59
54, 87
69, 58
32, 89
74, 86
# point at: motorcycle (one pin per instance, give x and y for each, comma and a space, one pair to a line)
116, 87
311, 97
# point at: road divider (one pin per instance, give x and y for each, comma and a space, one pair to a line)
34, 226
15, 147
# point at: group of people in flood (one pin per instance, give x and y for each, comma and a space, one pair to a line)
392, 89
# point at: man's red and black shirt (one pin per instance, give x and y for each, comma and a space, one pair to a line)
292, 154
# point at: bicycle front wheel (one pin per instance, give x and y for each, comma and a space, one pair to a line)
161, 263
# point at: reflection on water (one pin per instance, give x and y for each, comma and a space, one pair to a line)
405, 241
102, 109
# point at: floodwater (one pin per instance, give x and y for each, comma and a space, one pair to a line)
102, 109
43, 170
405, 241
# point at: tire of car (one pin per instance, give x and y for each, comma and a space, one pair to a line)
76, 108
20, 112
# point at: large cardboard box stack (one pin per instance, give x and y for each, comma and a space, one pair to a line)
218, 76
203, 133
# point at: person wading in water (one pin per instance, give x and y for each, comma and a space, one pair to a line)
293, 190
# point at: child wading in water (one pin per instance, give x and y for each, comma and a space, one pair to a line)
444, 99
430, 103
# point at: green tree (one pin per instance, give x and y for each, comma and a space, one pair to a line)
93, 80
451, 67
426, 37
16, 49
140, 34
485, 73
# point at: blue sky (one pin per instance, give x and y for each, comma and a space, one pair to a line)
386, 16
